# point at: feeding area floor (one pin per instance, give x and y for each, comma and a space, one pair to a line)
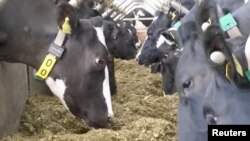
141, 111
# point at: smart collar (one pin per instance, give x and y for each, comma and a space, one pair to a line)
55, 52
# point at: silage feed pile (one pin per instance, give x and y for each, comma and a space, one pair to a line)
141, 111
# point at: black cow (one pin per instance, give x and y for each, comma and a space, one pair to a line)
208, 95
120, 41
80, 77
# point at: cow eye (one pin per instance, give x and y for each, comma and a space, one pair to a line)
187, 84
166, 55
99, 61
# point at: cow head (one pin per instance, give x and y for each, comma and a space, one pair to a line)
207, 95
155, 47
149, 52
133, 31
120, 41
167, 67
80, 79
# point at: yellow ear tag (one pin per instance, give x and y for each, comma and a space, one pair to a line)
228, 70
173, 15
46, 67
66, 28
238, 66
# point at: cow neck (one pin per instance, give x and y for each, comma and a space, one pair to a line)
30, 31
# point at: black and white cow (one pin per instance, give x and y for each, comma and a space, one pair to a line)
208, 94
119, 40
149, 52
80, 77
160, 51
133, 31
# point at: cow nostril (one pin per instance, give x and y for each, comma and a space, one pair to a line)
110, 121
210, 115
137, 59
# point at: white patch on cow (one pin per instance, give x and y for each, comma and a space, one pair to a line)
168, 41
246, 1
217, 57
100, 36
74, 3
139, 53
106, 93
106, 85
138, 43
247, 51
205, 26
161, 40
130, 31
172, 31
155, 18
58, 88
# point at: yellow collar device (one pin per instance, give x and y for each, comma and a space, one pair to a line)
55, 52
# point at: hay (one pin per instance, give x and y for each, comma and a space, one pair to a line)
142, 113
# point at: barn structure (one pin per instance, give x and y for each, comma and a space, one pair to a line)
121, 70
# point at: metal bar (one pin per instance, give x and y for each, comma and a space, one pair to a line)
131, 19
177, 6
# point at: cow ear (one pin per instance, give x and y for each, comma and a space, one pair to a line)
115, 33
207, 11
67, 17
215, 41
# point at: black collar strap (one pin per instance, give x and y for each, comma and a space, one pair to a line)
56, 48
